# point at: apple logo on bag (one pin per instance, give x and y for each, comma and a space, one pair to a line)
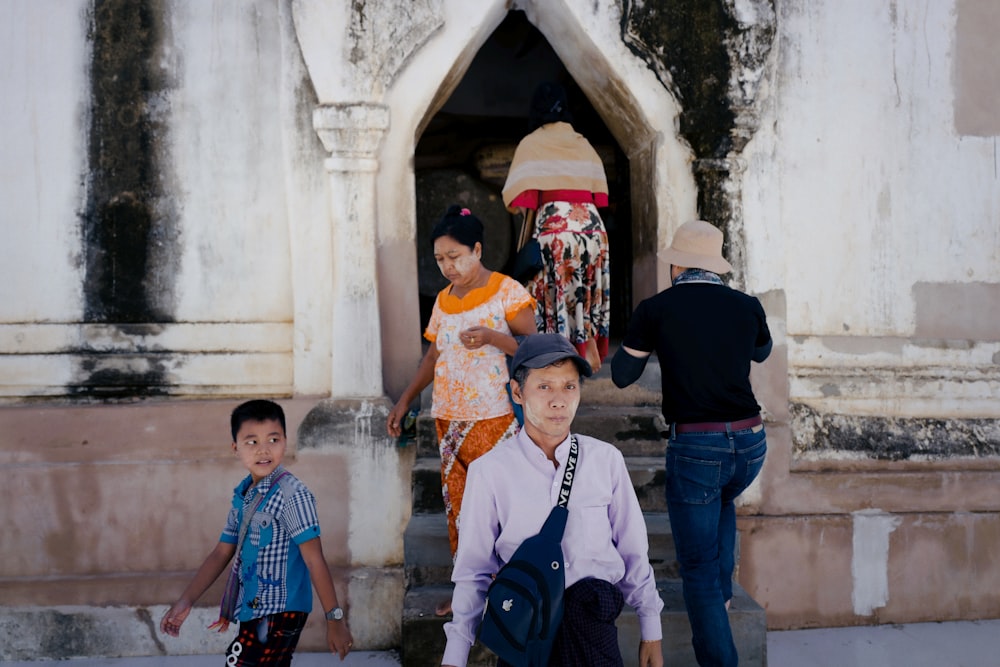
508, 604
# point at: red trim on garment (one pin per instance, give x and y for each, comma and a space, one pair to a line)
535, 198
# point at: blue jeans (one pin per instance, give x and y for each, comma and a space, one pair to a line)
705, 474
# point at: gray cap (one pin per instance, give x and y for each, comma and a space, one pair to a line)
541, 350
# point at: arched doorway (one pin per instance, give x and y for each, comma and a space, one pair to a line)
463, 154
621, 106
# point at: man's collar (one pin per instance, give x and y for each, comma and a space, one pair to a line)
698, 276
530, 445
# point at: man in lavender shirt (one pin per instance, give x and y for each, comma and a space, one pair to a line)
509, 493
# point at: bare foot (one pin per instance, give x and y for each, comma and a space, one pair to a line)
443, 609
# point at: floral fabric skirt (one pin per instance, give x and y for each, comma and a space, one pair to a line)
573, 289
461, 443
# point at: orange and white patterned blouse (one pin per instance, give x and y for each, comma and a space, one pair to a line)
470, 385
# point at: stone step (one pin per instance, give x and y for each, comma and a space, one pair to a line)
634, 430
747, 619
426, 553
423, 637
647, 474
427, 556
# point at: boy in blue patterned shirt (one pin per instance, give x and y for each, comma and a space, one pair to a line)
274, 527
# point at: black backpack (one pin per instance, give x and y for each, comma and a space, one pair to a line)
524, 603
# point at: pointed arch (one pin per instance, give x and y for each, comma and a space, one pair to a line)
636, 108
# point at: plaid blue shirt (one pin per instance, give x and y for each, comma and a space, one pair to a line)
273, 576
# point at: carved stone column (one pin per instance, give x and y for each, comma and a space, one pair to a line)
352, 133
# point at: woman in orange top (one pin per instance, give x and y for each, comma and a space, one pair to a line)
471, 330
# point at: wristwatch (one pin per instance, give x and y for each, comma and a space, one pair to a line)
335, 614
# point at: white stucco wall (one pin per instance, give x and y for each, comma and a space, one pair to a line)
859, 185
225, 145
43, 56
226, 148
240, 169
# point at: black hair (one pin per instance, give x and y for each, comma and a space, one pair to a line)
460, 224
548, 105
257, 410
520, 375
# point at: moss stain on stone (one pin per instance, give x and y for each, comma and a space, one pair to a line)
693, 47
123, 226
891, 438
687, 39
128, 233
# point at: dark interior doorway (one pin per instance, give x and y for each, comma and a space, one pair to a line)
464, 152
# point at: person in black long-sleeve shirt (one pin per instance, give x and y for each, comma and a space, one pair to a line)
705, 335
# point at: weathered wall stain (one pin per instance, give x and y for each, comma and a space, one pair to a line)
712, 63
120, 383
682, 41
128, 230
826, 435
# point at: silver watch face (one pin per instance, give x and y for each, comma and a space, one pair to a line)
335, 614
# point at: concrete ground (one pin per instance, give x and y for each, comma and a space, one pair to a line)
958, 644
358, 659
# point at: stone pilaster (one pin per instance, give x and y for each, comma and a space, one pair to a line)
352, 133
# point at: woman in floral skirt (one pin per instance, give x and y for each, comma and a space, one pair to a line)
557, 175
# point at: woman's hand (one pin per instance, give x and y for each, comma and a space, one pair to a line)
394, 422
424, 376
474, 338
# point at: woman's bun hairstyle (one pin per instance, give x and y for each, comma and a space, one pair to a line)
460, 224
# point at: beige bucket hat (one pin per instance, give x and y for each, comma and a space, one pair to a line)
697, 245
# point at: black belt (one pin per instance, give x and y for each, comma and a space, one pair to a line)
719, 427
